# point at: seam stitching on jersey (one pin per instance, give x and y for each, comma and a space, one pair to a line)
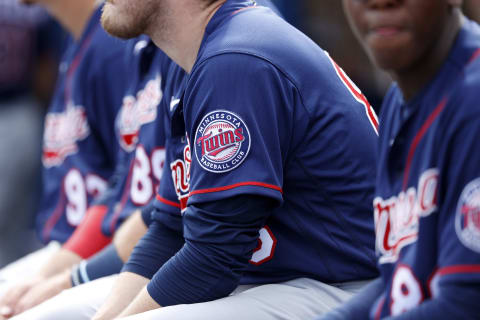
226, 52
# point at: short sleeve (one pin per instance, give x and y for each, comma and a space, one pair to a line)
239, 122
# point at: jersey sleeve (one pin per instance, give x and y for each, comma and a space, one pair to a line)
459, 238
220, 238
453, 284
240, 123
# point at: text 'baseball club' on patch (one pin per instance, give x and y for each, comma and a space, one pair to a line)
467, 220
222, 141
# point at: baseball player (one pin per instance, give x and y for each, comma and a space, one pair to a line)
80, 149
84, 298
140, 124
271, 150
426, 198
140, 134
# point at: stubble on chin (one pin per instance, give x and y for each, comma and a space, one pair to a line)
27, 2
125, 25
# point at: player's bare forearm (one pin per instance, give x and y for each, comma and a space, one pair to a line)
126, 288
143, 302
62, 259
29, 292
128, 235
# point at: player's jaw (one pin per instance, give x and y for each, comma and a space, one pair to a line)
397, 34
31, 2
128, 18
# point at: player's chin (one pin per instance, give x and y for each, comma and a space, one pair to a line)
27, 2
117, 29
394, 54
110, 20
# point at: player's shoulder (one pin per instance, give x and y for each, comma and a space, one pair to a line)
260, 33
465, 94
462, 95
461, 110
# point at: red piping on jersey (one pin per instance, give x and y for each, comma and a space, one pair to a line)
233, 186
431, 118
395, 246
378, 313
359, 96
467, 268
475, 55
73, 67
125, 196
168, 202
57, 214
243, 9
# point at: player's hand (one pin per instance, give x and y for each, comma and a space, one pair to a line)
43, 291
9, 300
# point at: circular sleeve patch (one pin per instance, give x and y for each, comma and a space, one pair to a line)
467, 220
222, 141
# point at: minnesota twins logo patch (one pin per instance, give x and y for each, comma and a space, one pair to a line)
222, 141
137, 111
62, 133
467, 220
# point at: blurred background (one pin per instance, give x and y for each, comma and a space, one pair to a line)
30, 48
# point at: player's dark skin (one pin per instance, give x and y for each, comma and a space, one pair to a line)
410, 39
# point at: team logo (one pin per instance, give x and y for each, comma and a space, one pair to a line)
181, 176
222, 141
137, 111
62, 132
467, 220
397, 219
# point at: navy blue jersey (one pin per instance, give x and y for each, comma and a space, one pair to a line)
141, 133
141, 126
79, 147
427, 198
265, 112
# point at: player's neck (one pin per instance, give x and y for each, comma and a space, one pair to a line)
414, 78
181, 36
73, 15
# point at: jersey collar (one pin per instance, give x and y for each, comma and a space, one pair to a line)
228, 9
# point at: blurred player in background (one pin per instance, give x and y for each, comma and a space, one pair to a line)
148, 67
30, 44
140, 131
427, 198
80, 146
